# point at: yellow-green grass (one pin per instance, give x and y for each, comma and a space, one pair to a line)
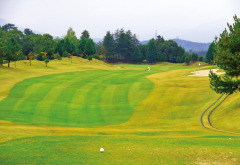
10, 76
120, 150
164, 128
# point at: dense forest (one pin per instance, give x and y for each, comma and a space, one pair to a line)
120, 46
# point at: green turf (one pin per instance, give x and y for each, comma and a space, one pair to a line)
120, 150
82, 99
88, 98
153, 118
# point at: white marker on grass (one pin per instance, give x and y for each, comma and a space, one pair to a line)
101, 150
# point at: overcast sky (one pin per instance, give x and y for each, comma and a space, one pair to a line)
195, 20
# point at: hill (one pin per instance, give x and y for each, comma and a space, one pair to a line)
65, 113
192, 46
199, 48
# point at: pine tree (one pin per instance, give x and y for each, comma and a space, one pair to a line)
227, 57
210, 52
82, 43
152, 51
58, 56
137, 55
85, 34
90, 47
108, 43
187, 59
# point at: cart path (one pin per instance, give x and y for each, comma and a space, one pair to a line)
207, 116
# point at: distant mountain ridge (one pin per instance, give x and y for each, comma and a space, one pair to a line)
199, 48
194, 46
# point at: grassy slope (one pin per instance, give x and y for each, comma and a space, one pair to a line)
10, 76
141, 140
88, 98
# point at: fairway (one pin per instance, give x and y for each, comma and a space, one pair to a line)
65, 115
88, 98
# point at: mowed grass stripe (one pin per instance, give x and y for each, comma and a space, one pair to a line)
75, 99
82, 111
11, 107
92, 105
38, 95
77, 114
60, 108
43, 108
118, 102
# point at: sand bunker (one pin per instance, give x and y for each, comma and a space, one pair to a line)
203, 73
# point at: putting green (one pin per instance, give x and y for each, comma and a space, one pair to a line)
87, 98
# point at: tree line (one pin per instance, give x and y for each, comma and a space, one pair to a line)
123, 45
120, 46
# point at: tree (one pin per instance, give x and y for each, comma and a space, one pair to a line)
200, 58
2, 52
28, 44
73, 41
60, 47
137, 55
187, 59
89, 47
47, 44
227, 57
58, 56
28, 32
82, 43
89, 58
45, 57
16, 56
159, 40
194, 57
210, 52
11, 49
7, 27
85, 34
108, 43
152, 52
143, 49
30, 57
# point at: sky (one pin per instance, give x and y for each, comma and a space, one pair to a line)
194, 20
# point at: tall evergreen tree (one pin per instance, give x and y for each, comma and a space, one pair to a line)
108, 43
122, 44
152, 51
85, 34
81, 45
90, 47
227, 57
60, 47
210, 52
137, 55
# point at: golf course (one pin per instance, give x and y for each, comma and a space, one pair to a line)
66, 112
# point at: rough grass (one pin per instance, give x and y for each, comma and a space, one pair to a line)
164, 121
